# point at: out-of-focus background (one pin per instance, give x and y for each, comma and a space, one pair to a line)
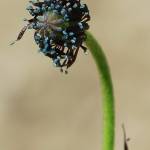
42, 109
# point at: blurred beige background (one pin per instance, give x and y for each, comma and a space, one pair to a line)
41, 109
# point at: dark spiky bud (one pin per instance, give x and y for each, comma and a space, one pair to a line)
60, 27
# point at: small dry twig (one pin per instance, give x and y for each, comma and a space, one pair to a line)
126, 147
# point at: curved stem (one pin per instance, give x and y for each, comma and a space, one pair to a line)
107, 92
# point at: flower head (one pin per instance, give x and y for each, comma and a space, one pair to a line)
60, 27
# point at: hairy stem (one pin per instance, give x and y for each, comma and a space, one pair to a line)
107, 92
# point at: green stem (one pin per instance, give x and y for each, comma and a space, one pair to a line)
107, 92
